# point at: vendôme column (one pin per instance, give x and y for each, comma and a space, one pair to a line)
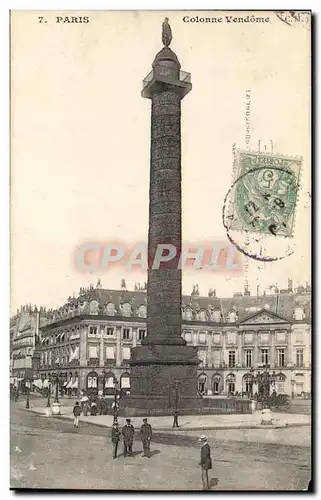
164, 359
164, 290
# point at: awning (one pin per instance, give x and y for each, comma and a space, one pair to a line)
75, 384
38, 383
69, 385
65, 383
45, 383
74, 354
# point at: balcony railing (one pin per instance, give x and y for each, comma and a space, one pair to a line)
183, 77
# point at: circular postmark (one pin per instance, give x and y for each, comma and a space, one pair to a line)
259, 212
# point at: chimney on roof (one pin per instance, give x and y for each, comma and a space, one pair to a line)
195, 291
290, 285
123, 285
246, 290
98, 286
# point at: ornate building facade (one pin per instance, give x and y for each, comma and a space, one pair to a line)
88, 341
25, 327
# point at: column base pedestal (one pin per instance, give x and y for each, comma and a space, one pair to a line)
161, 377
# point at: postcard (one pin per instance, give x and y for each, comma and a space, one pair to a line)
160, 330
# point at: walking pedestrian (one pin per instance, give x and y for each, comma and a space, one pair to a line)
76, 412
206, 461
93, 409
128, 432
146, 436
115, 438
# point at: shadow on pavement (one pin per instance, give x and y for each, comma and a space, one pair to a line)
154, 452
213, 482
134, 454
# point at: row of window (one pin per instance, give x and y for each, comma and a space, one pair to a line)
249, 337
265, 357
126, 332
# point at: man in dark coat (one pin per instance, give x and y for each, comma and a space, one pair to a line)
128, 432
206, 461
115, 438
146, 436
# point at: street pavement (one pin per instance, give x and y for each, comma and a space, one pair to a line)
47, 452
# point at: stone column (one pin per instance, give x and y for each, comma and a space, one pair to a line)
165, 284
83, 346
134, 333
164, 357
290, 354
101, 346
238, 349
194, 337
256, 351
273, 359
209, 350
118, 346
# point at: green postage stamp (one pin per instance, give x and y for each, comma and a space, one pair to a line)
264, 193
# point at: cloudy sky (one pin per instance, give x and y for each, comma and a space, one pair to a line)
80, 139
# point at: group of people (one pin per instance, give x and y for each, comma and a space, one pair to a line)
128, 432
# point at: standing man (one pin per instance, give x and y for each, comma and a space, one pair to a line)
115, 438
146, 436
76, 412
128, 432
206, 461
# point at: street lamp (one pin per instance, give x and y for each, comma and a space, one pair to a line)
48, 398
115, 403
28, 394
176, 388
57, 389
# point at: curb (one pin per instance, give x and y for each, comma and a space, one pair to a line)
182, 429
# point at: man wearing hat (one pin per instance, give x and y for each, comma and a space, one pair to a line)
146, 436
206, 461
128, 432
115, 438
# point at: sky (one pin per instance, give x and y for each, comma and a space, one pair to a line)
80, 139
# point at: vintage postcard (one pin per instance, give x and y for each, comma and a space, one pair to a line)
160, 330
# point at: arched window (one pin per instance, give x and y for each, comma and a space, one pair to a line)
232, 316
141, 311
217, 383
202, 315
201, 383
111, 309
188, 313
126, 310
93, 307
230, 382
248, 383
298, 314
216, 315
92, 381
